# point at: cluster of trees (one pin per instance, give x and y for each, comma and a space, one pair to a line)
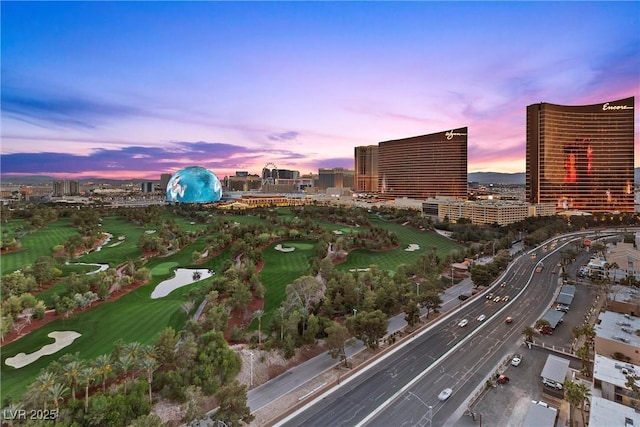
20, 305
120, 388
168, 236
485, 274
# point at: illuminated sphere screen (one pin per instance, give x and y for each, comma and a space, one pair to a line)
194, 184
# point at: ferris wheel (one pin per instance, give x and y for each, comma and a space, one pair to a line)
269, 174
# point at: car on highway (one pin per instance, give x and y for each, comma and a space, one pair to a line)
516, 360
552, 384
481, 317
489, 295
444, 394
463, 323
503, 284
463, 297
506, 298
496, 299
508, 320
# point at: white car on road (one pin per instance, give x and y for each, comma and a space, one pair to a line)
517, 358
444, 394
463, 323
481, 317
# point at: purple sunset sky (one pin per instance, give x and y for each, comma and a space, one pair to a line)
135, 89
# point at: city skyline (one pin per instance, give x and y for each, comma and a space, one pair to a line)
130, 90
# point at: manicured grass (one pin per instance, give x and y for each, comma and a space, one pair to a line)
136, 317
133, 317
37, 244
344, 229
122, 246
391, 259
281, 269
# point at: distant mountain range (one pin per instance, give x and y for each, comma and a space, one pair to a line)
497, 178
479, 177
513, 178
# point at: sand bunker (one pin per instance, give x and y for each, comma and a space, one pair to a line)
116, 244
358, 269
183, 277
101, 267
412, 247
62, 339
279, 247
337, 232
149, 231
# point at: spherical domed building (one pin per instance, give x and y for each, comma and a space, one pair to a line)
194, 184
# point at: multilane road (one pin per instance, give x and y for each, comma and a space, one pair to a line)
403, 387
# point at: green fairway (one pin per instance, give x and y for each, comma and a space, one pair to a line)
136, 317
133, 317
391, 259
121, 247
37, 244
281, 269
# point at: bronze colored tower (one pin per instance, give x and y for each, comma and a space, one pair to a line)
581, 157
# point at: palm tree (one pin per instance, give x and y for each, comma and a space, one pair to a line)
56, 392
149, 364
583, 354
104, 366
71, 373
281, 312
134, 349
529, 332
126, 361
38, 389
86, 377
258, 315
576, 394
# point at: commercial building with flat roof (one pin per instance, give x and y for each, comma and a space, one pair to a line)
424, 166
335, 177
603, 412
610, 379
501, 212
615, 333
581, 157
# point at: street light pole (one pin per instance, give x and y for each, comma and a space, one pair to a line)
418, 289
451, 274
251, 371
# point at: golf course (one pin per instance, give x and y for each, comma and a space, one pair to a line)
139, 314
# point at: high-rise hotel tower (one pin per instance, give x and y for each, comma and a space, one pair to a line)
366, 175
424, 166
581, 157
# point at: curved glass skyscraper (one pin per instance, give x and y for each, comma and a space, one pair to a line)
581, 157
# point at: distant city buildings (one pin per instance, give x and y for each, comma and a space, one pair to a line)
164, 181
66, 188
581, 157
424, 166
335, 178
148, 186
242, 181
